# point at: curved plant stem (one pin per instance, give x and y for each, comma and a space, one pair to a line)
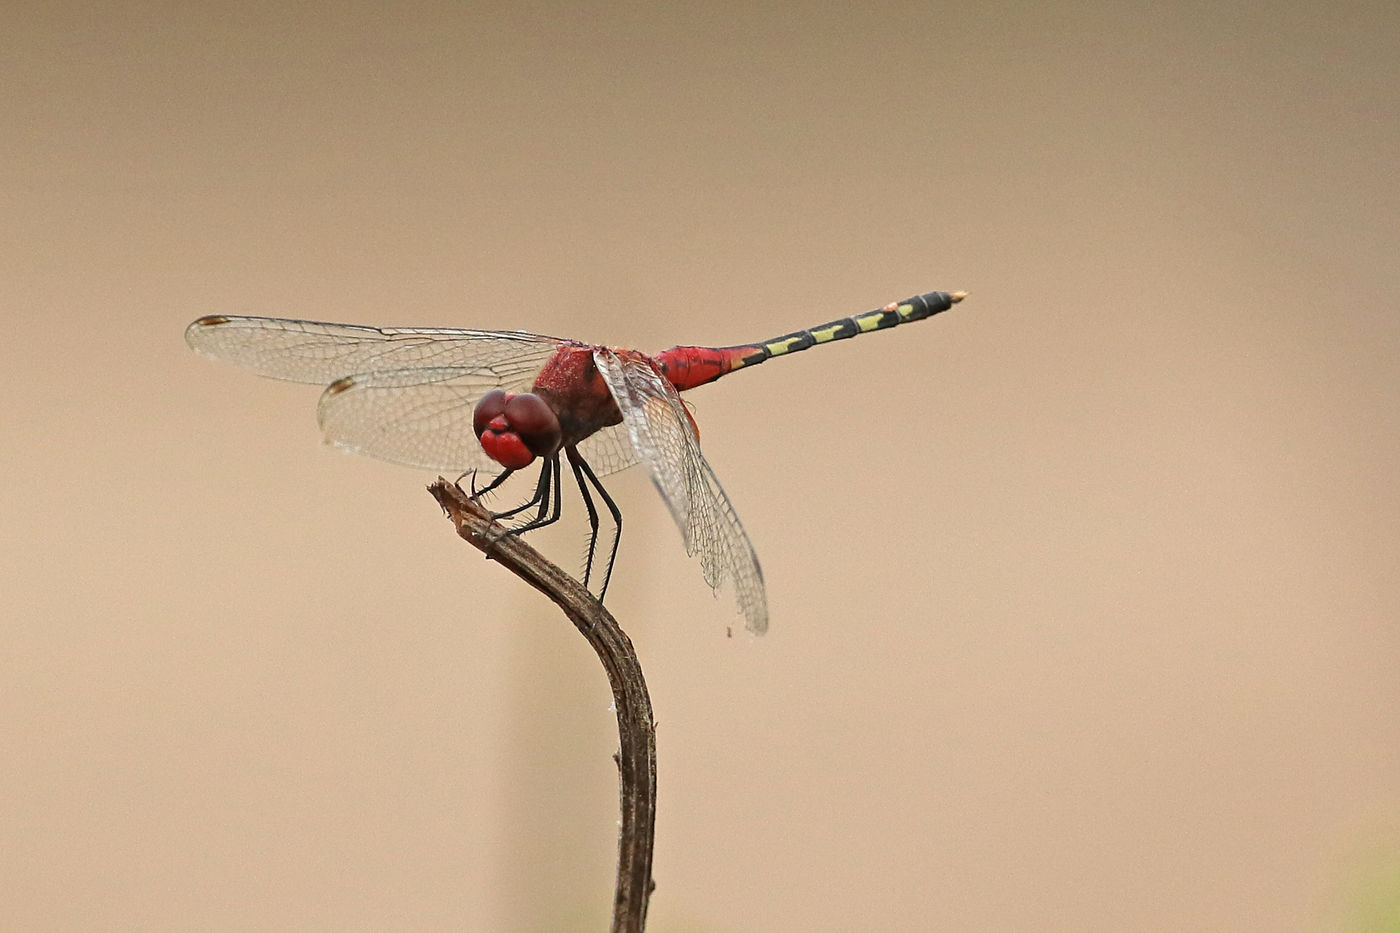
636, 757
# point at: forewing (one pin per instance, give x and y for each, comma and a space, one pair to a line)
663, 438
401, 394
312, 351
419, 417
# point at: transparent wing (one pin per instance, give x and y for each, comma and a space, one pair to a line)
420, 417
406, 395
609, 450
311, 351
663, 437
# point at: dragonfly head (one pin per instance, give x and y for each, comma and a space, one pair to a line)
515, 429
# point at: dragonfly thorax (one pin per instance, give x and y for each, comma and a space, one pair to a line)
515, 429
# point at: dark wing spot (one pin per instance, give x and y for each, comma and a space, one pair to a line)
340, 385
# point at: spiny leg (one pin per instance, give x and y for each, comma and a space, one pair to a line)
549, 512
478, 493
580, 464
540, 497
548, 469
592, 514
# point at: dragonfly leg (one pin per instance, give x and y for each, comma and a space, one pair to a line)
550, 476
541, 494
581, 471
478, 493
592, 515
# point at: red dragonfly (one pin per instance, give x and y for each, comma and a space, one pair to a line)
493, 402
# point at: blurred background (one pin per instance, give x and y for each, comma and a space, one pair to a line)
1084, 603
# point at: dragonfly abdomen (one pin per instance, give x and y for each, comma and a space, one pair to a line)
688, 367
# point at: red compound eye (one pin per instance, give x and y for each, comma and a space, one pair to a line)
515, 429
493, 403
535, 422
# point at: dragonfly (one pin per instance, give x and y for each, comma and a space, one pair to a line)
491, 403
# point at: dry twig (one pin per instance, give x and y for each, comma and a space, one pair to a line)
636, 758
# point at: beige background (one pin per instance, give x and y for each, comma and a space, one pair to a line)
1085, 612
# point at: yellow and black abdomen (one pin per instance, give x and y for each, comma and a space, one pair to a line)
687, 367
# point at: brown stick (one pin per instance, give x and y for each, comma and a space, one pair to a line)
636, 758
